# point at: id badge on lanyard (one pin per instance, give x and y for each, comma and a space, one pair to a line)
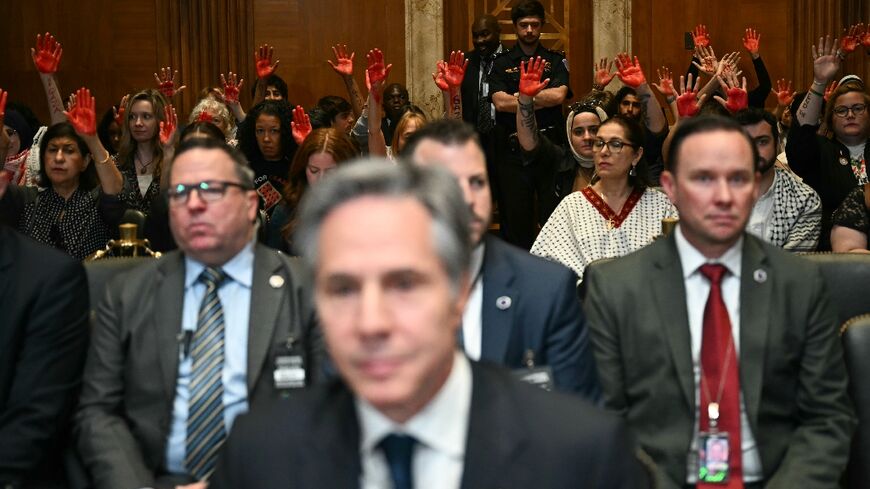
713, 451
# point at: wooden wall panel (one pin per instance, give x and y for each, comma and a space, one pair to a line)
569, 28
109, 46
303, 32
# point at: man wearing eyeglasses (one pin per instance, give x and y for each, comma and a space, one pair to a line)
832, 167
183, 345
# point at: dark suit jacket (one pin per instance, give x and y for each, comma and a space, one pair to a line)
129, 386
544, 316
792, 375
43, 340
519, 437
470, 88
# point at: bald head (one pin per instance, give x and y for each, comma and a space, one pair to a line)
485, 32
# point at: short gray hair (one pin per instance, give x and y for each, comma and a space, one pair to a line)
433, 187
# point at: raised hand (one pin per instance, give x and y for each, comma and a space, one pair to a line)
864, 35
4, 138
376, 68
850, 39
752, 41
728, 65
263, 59
168, 126
665, 86
530, 77
439, 76
455, 71
81, 113
700, 36
119, 111
166, 82
46, 56
204, 116
343, 64
709, 65
829, 90
231, 85
630, 73
602, 73
301, 124
783, 92
826, 63
688, 103
738, 97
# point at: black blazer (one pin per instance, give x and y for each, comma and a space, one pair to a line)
530, 303
43, 340
519, 437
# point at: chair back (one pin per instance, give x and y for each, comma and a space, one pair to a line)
101, 271
855, 336
847, 276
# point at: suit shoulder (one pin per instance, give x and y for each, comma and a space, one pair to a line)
33, 255
528, 264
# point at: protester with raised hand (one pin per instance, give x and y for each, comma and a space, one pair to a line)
832, 167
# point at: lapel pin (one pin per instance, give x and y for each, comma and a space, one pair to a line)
503, 302
276, 281
760, 276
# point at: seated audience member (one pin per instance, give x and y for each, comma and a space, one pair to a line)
20, 137
216, 112
788, 212
522, 311
852, 222
142, 156
109, 131
267, 141
322, 151
617, 214
44, 299
77, 206
334, 111
390, 247
184, 344
712, 334
572, 166
832, 167
393, 104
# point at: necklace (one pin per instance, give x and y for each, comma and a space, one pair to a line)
143, 167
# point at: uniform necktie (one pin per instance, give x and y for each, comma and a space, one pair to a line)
205, 418
484, 117
399, 450
720, 376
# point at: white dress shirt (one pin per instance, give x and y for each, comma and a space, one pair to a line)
472, 316
441, 430
697, 292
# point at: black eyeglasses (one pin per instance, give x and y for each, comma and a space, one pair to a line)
615, 145
209, 191
843, 111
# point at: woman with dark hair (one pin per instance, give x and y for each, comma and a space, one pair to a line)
142, 156
322, 151
109, 131
617, 214
71, 210
333, 111
266, 139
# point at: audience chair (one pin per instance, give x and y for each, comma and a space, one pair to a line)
847, 276
137, 217
855, 335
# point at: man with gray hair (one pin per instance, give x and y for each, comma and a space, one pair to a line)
184, 344
390, 249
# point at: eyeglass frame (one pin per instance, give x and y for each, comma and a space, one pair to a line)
614, 150
842, 111
220, 186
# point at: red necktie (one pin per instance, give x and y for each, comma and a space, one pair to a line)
720, 374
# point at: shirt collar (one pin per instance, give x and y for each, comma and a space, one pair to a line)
442, 424
476, 261
692, 259
239, 269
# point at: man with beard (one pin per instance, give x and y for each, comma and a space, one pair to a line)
788, 212
640, 104
523, 310
522, 189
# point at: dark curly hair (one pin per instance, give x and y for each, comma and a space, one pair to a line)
247, 130
634, 135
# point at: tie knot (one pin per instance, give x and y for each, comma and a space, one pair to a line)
397, 447
212, 277
714, 272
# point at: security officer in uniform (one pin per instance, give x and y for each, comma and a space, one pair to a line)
526, 195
